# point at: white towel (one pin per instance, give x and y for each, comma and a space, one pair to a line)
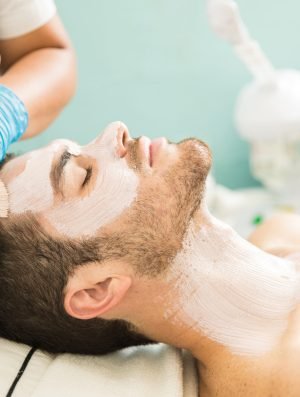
144, 371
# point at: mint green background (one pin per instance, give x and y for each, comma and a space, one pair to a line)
156, 65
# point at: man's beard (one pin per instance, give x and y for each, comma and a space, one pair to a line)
152, 230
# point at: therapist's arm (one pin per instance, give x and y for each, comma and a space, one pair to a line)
40, 68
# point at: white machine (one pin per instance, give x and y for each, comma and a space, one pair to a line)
268, 109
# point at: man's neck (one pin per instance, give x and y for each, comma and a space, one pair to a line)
226, 301
235, 294
234, 302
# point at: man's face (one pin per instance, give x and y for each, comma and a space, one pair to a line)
141, 194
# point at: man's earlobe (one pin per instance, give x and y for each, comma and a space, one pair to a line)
85, 301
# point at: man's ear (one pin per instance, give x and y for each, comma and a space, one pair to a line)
86, 299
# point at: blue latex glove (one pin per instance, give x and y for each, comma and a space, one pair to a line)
13, 119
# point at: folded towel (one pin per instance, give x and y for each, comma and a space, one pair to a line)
143, 371
12, 356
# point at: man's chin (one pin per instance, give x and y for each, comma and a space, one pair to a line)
187, 178
198, 152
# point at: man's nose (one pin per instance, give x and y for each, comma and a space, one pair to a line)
115, 136
123, 137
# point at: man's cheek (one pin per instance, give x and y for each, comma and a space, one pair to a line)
115, 191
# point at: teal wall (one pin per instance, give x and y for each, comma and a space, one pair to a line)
156, 65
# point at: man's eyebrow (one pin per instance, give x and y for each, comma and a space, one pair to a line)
57, 170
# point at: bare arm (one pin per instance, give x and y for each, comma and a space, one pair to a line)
40, 68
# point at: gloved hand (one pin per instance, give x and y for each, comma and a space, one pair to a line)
13, 119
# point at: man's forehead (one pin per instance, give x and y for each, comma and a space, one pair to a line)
17, 165
13, 168
71, 146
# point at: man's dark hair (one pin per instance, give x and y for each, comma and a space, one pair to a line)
34, 269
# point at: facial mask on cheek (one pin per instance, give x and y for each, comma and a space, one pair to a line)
32, 190
115, 190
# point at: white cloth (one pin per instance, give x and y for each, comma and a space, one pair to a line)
18, 17
143, 371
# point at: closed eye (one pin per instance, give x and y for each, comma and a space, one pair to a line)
58, 169
88, 176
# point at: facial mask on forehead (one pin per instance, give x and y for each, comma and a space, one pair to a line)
114, 191
72, 147
23, 191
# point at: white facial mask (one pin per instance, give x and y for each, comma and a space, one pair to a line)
24, 195
23, 192
236, 294
115, 190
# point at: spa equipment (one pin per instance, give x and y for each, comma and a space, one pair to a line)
267, 111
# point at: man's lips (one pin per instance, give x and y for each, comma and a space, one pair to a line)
156, 146
151, 148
